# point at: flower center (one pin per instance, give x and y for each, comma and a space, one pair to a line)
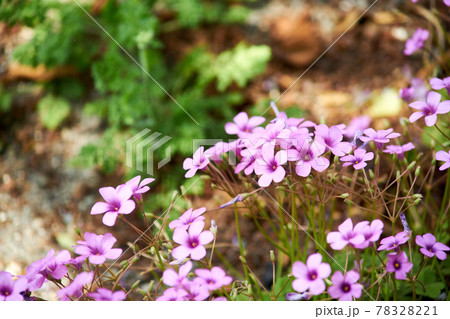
356, 162
346, 287
397, 265
274, 167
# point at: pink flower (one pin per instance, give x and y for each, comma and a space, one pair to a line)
370, 232
345, 236
248, 161
430, 109
345, 287
270, 166
118, 202
358, 159
379, 137
191, 242
175, 279
399, 150
242, 125
188, 218
332, 139
198, 161
103, 294
438, 84
196, 291
75, 289
139, 188
10, 289
311, 275
173, 294
416, 41
392, 242
309, 157
98, 248
445, 157
51, 266
398, 264
359, 123
213, 279
430, 247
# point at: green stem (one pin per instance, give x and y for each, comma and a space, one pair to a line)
241, 246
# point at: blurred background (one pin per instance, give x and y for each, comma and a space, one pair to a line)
70, 97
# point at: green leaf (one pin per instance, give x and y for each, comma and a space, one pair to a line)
240, 64
52, 111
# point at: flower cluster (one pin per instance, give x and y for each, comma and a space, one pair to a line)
195, 288
270, 151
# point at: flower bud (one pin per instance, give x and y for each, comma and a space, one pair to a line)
213, 228
411, 166
124, 264
371, 174
77, 231
377, 160
417, 201
417, 172
348, 201
135, 284
345, 195
272, 255
242, 259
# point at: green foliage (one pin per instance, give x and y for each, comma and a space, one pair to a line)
52, 111
239, 64
123, 93
192, 13
5, 100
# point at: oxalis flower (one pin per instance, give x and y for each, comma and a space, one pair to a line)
198, 161
118, 202
345, 288
398, 264
98, 248
173, 294
139, 188
430, 247
416, 41
51, 266
379, 137
445, 157
345, 236
430, 109
10, 289
332, 139
399, 150
242, 125
75, 289
191, 242
212, 279
358, 159
438, 84
175, 279
188, 218
270, 166
393, 242
311, 275
103, 294
370, 232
